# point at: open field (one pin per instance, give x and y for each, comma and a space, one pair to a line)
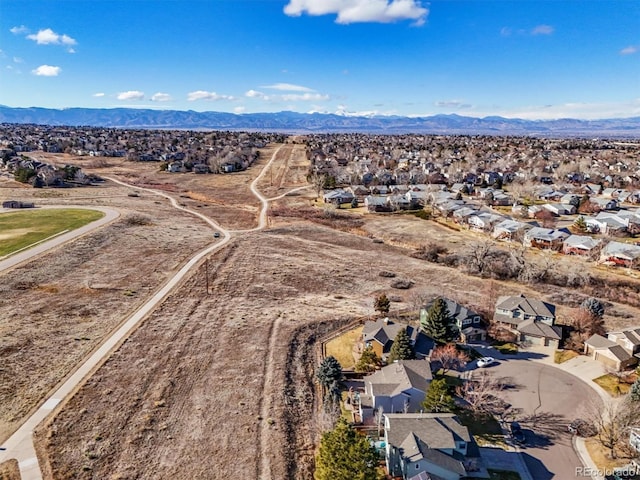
21, 229
57, 308
211, 380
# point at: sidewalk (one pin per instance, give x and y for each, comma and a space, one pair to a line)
499, 459
585, 458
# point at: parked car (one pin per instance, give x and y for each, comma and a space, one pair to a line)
216, 235
517, 434
582, 428
486, 361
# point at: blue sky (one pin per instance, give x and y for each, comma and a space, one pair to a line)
527, 59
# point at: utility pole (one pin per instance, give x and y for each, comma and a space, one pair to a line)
206, 274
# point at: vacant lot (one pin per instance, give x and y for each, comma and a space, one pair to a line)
18, 230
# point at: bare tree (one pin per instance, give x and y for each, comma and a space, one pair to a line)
449, 357
480, 392
478, 256
613, 421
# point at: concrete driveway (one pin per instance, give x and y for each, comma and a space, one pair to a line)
543, 399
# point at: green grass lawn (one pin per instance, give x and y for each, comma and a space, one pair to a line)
342, 347
22, 229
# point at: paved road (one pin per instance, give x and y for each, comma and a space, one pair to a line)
16, 259
544, 399
20, 444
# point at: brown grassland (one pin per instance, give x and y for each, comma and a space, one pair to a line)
214, 382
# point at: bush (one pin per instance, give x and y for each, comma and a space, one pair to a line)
138, 219
402, 284
387, 274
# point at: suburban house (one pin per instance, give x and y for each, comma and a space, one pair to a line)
529, 319
376, 203
379, 335
338, 197
484, 221
510, 229
430, 446
468, 323
545, 238
618, 253
398, 387
579, 245
619, 350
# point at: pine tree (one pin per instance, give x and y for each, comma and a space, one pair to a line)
368, 362
382, 304
438, 323
401, 348
329, 372
438, 399
594, 306
344, 454
580, 224
634, 392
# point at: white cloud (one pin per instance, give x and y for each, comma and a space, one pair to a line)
204, 95
448, 103
130, 95
18, 60
288, 87
304, 97
99, 94
630, 50
506, 31
46, 71
49, 37
19, 30
239, 109
161, 97
359, 11
542, 30
254, 94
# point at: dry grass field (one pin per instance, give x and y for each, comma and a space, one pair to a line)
9, 470
214, 383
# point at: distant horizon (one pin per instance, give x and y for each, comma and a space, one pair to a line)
524, 59
161, 109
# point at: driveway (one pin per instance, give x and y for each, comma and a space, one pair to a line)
544, 399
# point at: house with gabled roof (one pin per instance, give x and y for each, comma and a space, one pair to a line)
529, 319
434, 446
622, 254
380, 334
545, 238
398, 387
509, 229
468, 323
618, 350
580, 245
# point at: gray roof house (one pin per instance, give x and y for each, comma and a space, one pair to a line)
579, 245
397, 387
618, 253
530, 319
468, 323
611, 353
545, 238
508, 229
380, 335
432, 446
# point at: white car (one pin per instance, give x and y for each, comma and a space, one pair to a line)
486, 361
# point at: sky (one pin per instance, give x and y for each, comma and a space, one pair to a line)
540, 59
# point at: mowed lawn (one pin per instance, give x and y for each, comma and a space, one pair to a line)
24, 228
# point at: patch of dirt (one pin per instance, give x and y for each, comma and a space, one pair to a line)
9, 470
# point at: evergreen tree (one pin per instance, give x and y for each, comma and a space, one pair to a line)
634, 392
329, 372
580, 224
382, 304
438, 399
368, 362
401, 348
594, 306
344, 454
438, 323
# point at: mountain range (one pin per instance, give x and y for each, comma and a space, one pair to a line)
292, 122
